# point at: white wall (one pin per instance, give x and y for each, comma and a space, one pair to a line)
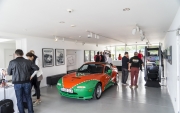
171, 70
3, 47
37, 44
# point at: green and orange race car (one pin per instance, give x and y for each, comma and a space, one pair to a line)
90, 80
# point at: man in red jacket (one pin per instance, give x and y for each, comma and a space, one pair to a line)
140, 55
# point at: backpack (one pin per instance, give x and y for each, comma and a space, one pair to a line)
97, 58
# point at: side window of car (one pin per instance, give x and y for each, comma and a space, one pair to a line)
106, 69
85, 67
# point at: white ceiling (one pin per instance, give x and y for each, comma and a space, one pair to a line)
106, 17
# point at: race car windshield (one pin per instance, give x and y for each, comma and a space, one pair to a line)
91, 68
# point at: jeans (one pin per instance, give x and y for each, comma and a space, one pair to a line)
134, 75
23, 90
125, 73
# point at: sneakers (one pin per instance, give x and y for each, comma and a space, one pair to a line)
136, 86
36, 103
130, 86
125, 84
34, 95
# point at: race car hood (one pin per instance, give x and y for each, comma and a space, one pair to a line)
72, 80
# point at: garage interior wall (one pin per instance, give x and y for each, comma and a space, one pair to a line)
37, 44
170, 70
3, 47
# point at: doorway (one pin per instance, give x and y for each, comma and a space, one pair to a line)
8, 56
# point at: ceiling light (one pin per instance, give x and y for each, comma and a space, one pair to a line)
126, 9
55, 39
141, 32
98, 36
61, 22
137, 28
79, 36
95, 36
73, 26
178, 33
142, 38
70, 10
134, 31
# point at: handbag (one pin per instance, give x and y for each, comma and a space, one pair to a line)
40, 78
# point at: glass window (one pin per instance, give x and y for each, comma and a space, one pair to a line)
142, 48
112, 49
92, 56
131, 50
120, 50
86, 56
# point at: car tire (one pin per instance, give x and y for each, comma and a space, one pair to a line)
97, 91
117, 79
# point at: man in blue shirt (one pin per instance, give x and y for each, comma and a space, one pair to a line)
125, 72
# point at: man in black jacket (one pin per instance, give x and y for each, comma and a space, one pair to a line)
21, 69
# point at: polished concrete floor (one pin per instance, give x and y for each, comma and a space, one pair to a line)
117, 99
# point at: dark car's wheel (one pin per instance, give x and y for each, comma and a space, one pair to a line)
117, 79
98, 91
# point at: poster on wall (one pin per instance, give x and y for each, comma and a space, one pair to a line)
169, 55
71, 60
47, 56
59, 57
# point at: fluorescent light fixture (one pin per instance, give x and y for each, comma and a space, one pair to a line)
4, 40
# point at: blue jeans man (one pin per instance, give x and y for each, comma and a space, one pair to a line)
23, 90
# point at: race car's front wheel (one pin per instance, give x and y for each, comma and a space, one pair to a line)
97, 91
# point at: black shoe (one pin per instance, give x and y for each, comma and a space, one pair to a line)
34, 95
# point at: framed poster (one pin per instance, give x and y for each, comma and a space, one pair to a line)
71, 60
59, 57
169, 55
47, 57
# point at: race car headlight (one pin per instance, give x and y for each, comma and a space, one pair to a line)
81, 87
59, 84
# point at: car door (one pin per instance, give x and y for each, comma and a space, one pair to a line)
107, 76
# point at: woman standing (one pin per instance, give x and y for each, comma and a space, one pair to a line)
36, 79
119, 57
